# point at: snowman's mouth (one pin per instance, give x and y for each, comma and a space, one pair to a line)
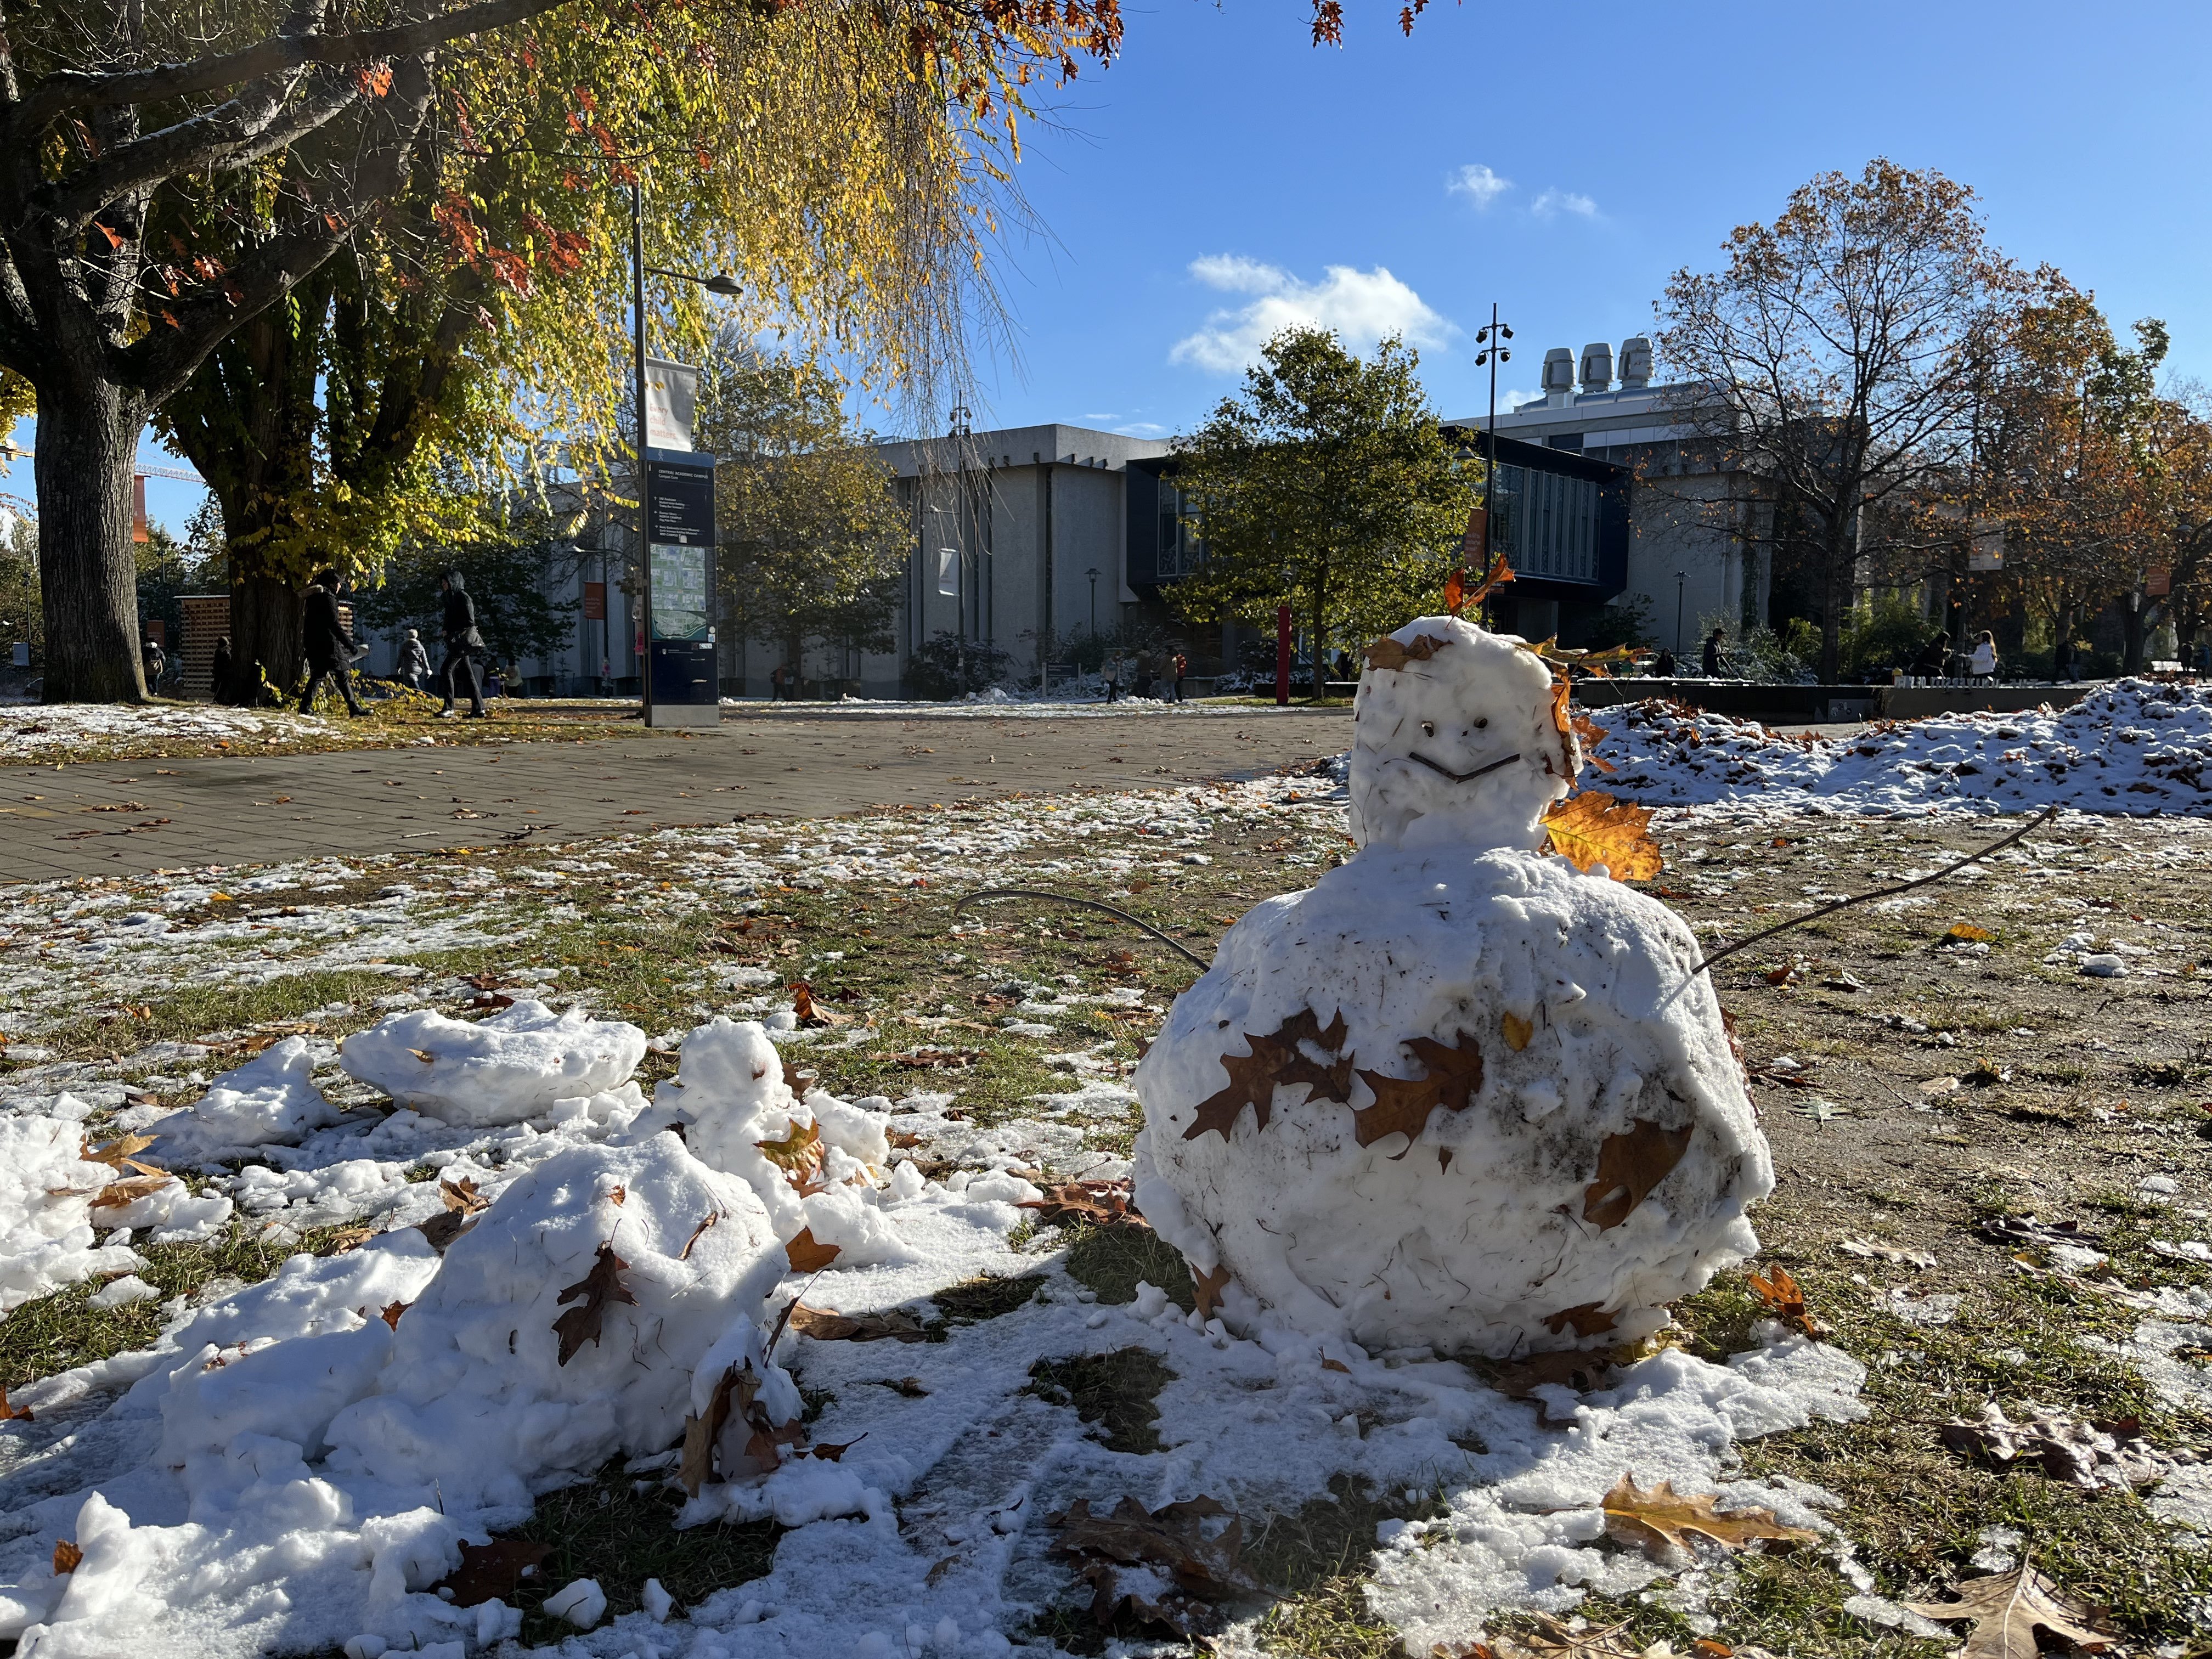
1461, 777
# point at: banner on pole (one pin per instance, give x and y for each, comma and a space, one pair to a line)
595, 601
672, 400
948, 572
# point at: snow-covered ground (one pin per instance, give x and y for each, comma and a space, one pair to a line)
2138, 747
33, 733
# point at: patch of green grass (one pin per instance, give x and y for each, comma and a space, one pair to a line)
53, 1333
605, 1528
1312, 1560
986, 1297
1111, 1260
1115, 1390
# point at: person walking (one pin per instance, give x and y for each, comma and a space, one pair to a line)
1715, 662
1983, 665
463, 642
414, 662
1935, 659
776, 679
1182, 667
219, 672
1111, 668
155, 659
327, 645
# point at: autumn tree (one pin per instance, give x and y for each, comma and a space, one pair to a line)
1326, 484
179, 172
1826, 370
813, 542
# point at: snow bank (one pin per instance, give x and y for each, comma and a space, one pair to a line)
564, 1326
510, 1067
271, 1098
46, 1188
1457, 1093
29, 733
2136, 746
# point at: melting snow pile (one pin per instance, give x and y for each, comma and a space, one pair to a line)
2135, 746
298, 1464
32, 731
1458, 1093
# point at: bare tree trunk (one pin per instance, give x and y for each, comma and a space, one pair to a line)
2135, 618
1836, 582
2062, 638
1320, 673
88, 440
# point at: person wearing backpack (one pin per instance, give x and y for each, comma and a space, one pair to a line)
463, 642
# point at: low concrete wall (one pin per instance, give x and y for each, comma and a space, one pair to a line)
1912, 702
1806, 705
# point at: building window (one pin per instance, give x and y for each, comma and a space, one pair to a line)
1546, 525
1178, 554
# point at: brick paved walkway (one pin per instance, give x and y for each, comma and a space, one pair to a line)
126, 817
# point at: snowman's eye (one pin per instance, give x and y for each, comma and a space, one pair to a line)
1428, 728
1484, 721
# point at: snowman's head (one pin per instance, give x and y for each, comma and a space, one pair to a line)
1454, 739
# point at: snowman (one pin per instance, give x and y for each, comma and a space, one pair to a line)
1460, 1094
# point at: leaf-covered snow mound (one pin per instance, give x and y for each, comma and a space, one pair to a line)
2138, 747
1475, 1100
47, 1189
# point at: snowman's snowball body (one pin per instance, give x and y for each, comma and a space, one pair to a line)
1458, 1093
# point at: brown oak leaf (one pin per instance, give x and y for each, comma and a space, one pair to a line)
824, 1325
733, 1390
1629, 1165
799, 1155
1449, 1078
1592, 829
1207, 1288
122, 1153
797, 1081
1664, 1519
390, 1312
68, 1557
443, 1228
808, 1011
129, 1190
493, 1571
806, 1256
593, 1293
1386, 653
2008, 1610
1275, 1058
1207, 1568
1587, 1318
1102, 1203
462, 1196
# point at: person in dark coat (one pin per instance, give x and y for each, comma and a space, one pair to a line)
328, 645
463, 642
219, 672
1715, 662
1935, 659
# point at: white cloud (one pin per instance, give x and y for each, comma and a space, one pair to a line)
1478, 184
1361, 305
1142, 429
1552, 202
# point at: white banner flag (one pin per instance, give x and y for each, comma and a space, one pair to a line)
948, 572
672, 397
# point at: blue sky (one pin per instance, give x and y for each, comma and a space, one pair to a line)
1225, 176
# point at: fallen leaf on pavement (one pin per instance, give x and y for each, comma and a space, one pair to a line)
824, 1325
1662, 1519
593, 1293
493, 1571
2008, 1608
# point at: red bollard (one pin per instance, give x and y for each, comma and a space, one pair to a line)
1282, 655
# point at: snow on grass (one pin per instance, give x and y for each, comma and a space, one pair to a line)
37, 734
2136, 747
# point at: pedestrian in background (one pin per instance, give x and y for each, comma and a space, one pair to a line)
156, 661
1111, 668
1935, 659
775, 684
1714, 661
463, 642
414, 662
1983, 665
1182, 667
219, 672
327, 644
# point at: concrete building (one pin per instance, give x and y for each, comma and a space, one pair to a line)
1685, 559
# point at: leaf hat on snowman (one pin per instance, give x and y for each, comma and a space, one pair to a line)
1465, 1091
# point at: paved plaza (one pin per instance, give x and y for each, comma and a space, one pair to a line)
128, 817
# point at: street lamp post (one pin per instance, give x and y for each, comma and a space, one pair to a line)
1682, 586
1093, 574
1494, 351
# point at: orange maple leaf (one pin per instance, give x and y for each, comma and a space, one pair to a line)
1591, 735
1455, 592
1592, 829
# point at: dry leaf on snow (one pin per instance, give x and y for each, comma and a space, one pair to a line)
1591, 734
1449, 1078
2008, 1608
462, 1196
443, 1228
597, 1290
1275, 1058
68, 1557
824, 1325
492, 1571
1386, 653
1629, 1165
806, 1256
698, 1233
1102, 1203
1662, 1519
390, 1312
122, 1153
1591, 829
1516, 1030
1207, 1289
799, 1155
1128, 1557
13, 1414
737, 1391
1780, 1295
129, 1190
